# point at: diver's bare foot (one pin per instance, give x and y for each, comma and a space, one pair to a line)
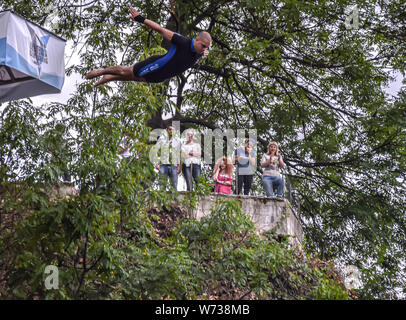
106, 78
94, 73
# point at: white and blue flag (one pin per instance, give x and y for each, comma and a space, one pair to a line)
31, 59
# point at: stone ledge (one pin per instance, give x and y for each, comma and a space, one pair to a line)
267, 213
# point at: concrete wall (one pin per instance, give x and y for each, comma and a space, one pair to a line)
266, 213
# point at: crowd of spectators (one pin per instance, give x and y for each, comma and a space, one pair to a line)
245, 161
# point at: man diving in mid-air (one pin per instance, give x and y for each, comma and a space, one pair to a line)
183, 54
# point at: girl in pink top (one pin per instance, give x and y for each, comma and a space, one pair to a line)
223, 175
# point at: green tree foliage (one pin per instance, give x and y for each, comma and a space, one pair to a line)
103, 251
290, 69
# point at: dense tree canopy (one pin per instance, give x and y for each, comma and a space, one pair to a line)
299, 72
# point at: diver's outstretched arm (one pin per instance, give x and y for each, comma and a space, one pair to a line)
166, 34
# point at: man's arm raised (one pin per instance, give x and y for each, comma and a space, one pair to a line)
166, 34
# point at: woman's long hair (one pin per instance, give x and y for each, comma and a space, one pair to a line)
277, 148
229, 167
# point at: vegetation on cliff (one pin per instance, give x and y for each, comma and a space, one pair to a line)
291, 69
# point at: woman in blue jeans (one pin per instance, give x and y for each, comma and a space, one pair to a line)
271, 162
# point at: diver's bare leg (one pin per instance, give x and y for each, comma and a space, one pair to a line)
108, 77
115, 70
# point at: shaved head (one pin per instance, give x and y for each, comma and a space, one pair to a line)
204, 35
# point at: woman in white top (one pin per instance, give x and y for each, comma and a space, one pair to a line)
191, 153
271, 162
